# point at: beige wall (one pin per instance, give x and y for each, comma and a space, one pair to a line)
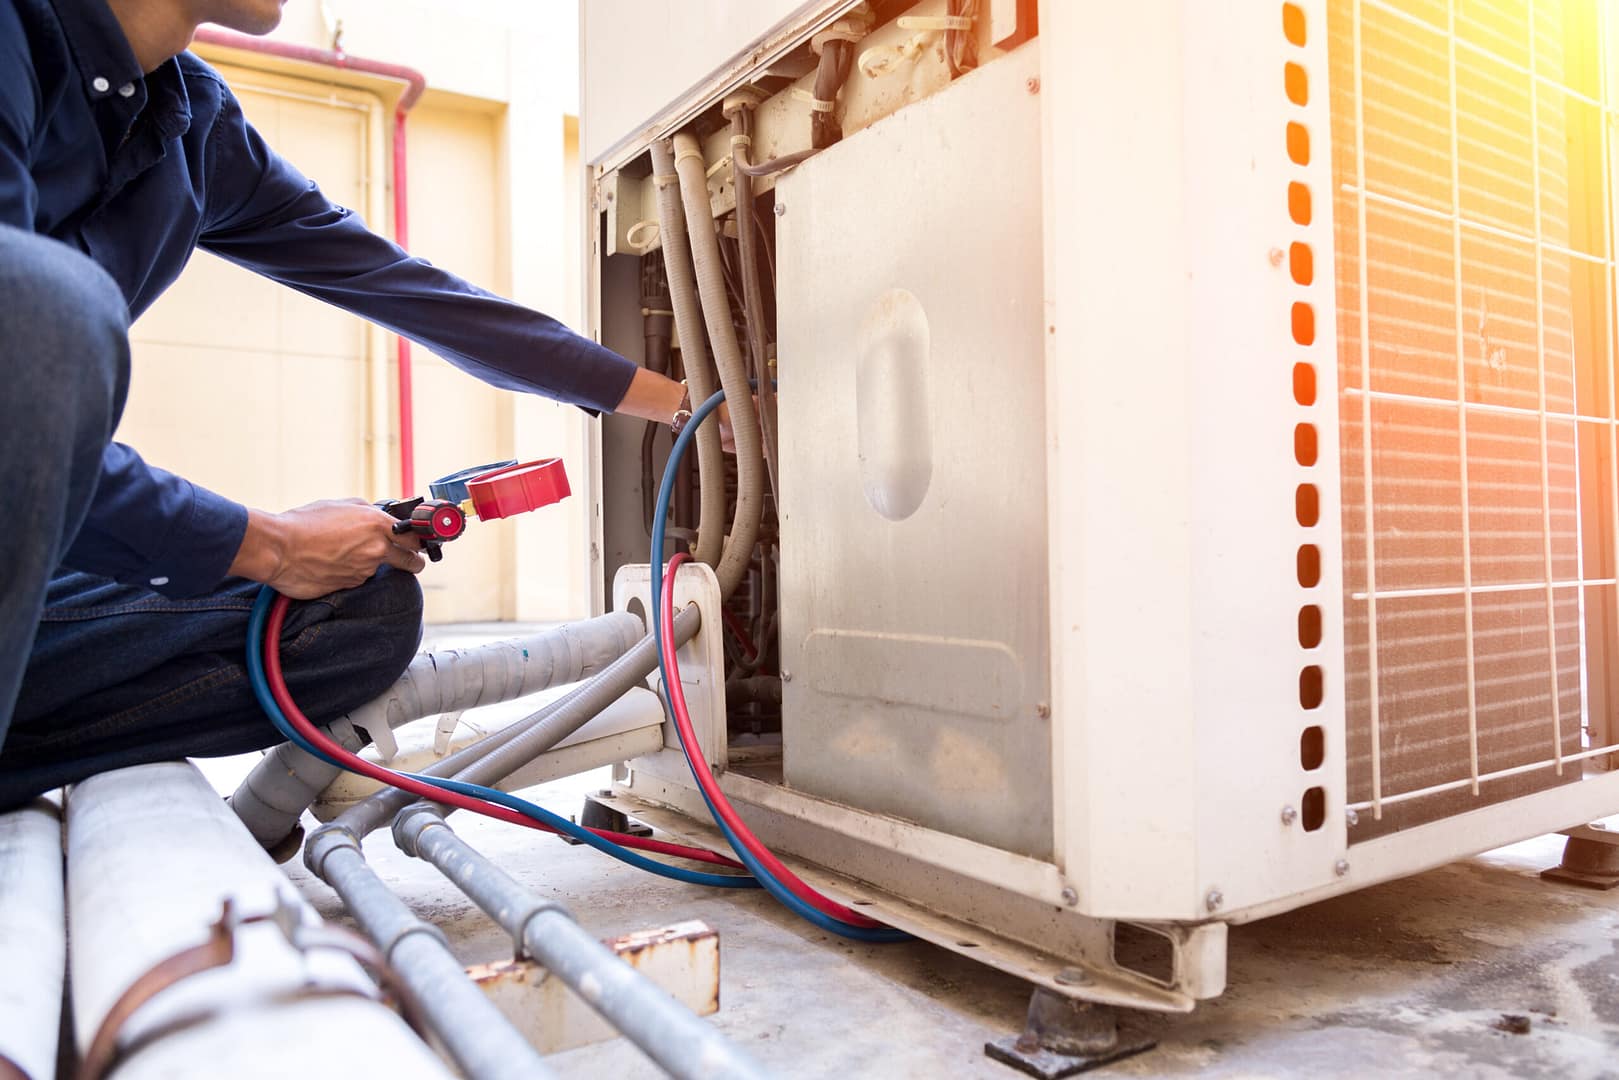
246, 387
490, 199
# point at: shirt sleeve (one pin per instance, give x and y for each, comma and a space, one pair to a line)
264, 215
19, 101
147, 526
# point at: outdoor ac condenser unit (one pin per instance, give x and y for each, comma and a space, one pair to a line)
1198, 437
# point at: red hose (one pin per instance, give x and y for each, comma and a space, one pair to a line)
705, 776
355, 763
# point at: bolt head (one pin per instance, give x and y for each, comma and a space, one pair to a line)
1032, 85
1070, 895
1277, 256
1289, 815
1214, 899
1042, 710
1071, 977
786, 676
1341, 867
781, 209
1352, 818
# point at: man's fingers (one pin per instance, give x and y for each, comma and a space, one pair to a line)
401, 559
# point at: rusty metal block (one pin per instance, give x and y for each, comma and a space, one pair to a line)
683, 959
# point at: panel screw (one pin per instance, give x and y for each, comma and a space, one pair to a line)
781, 208
1032, 85
1071, 977
1289, 815
1070, 895
1214, 899
1277, 255
1341, 867
786, 676
1042, 710
1352, 818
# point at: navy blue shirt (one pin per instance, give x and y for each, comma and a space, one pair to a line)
137, 171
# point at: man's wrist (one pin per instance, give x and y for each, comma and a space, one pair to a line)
263, 548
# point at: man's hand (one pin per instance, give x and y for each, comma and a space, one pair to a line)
323, 547
727, 436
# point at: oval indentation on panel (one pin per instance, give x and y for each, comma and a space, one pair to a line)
894, 437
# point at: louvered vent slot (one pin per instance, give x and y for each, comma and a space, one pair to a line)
1473, 226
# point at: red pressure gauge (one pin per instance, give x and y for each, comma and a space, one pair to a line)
518, 489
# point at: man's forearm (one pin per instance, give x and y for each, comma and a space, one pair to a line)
651, 397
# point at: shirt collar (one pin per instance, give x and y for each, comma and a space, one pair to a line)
107, 65
167, 101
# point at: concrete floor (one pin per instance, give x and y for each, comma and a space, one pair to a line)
1411, 978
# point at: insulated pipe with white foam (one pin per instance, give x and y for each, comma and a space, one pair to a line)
284, 783
33, 939
152, 855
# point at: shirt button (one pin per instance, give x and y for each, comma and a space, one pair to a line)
127, 90
159, 581
100, 85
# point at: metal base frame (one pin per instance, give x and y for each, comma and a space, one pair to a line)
1051, 946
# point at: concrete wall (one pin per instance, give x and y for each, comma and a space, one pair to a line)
490, 198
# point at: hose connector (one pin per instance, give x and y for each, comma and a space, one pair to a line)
411, 822
325, 840
743, 97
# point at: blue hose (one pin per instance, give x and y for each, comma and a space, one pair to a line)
261, 691
660, 517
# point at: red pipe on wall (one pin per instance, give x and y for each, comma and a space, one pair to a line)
415, 82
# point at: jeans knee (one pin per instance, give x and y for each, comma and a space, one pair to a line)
403, 606
390, 605
76, 323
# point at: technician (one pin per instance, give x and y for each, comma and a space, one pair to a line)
124, 589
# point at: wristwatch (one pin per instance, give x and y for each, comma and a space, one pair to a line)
682, 416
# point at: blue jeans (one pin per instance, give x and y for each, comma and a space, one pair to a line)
96, 675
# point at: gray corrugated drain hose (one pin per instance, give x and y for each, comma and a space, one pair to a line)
677, 267
705, 249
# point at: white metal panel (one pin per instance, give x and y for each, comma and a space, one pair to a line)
1171, 472
913, 575
1250, 665
1436, 843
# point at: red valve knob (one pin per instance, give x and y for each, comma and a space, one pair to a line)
438, 520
